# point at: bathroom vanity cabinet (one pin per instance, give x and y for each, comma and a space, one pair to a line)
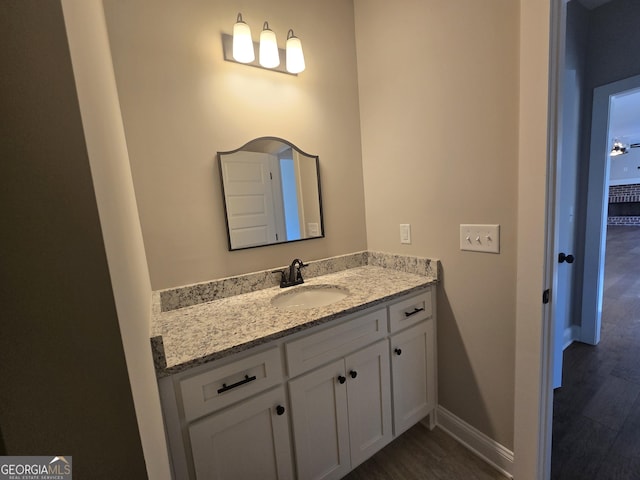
311, 405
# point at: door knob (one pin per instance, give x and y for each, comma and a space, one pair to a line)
341, 379
565, 258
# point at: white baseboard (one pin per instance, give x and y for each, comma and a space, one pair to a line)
488, 449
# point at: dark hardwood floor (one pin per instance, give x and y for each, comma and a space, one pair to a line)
596, 420
422, 454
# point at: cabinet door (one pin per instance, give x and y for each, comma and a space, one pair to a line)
413, 370
369, 401
249, 440
320, 425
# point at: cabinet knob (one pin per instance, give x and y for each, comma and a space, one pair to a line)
353, 374
341, 379
280, 410
398, 351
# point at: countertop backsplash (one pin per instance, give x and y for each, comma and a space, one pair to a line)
176, 298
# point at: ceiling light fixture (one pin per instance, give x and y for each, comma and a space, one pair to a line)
619, 148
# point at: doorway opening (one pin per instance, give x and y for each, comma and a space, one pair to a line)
614, 114
595, 432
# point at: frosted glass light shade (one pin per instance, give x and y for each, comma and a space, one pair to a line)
242, 42
269, 56
295, 56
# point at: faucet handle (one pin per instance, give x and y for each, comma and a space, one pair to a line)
283, 276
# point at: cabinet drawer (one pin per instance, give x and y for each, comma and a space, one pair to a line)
220, 387
410, 311
322, 347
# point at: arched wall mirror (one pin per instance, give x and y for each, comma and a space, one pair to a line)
271, 192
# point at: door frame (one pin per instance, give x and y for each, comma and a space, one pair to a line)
540, 31
557, 60
556, 152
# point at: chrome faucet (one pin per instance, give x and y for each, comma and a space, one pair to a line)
291, 276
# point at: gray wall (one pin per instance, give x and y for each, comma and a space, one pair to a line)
614, 37
416, 98
65, 388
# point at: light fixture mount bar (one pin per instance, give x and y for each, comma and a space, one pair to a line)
227, 46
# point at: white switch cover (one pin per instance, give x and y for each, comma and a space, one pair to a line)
480, 238
405, 233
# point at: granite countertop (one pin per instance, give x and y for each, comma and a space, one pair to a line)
206, 332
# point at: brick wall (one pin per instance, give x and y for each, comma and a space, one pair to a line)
623, 194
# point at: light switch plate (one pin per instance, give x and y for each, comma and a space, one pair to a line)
405, 233
313, 229
480, 238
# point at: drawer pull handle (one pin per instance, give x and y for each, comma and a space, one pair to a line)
280, 410
353, 374
415, 310
226, 388
398, 351
341, 379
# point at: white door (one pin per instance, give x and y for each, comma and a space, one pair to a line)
369, 401
564, 244
320, 423
249, 440
249, 197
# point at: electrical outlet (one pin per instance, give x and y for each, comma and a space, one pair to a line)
405, 233
480, 238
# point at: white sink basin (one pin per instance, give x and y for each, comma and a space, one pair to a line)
309, 296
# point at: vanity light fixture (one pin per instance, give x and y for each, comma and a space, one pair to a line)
240, 48
269, 55
295, 57
242, 43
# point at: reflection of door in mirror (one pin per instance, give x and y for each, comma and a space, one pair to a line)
290, 196
249, 197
